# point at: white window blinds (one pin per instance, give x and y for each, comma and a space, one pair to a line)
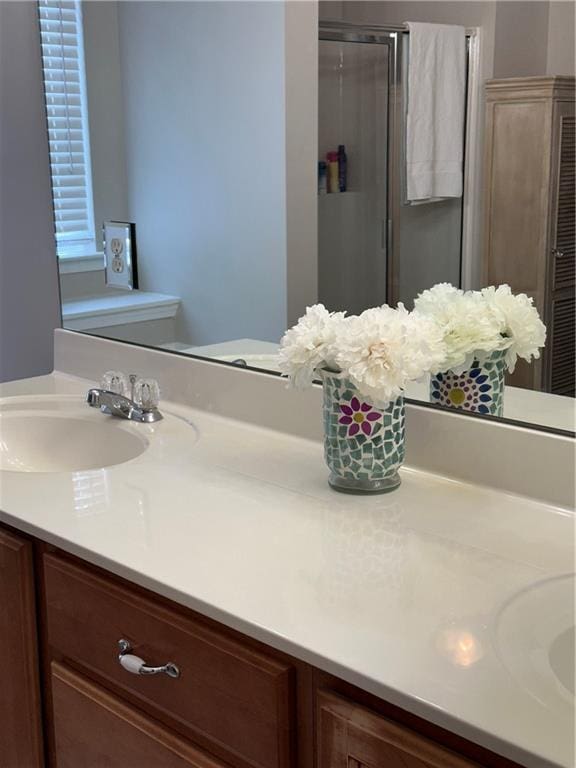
67, 113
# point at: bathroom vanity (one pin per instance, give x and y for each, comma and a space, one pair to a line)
308, 628
236, 702
189, 591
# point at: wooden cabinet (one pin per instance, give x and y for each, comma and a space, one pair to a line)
350, 736
235, 704
529, 233
20, 711
93, 728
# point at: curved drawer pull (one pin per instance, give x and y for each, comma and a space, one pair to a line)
138, 666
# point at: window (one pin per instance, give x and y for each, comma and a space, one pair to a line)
67, 115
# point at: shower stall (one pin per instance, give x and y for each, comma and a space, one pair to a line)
373, 246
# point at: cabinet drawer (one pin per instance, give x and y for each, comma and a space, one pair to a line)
227, 695
94, 728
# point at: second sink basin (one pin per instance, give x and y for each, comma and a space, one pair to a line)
62, 435
535, 638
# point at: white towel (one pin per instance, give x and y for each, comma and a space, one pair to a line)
435, 119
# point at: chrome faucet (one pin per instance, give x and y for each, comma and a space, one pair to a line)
142, 407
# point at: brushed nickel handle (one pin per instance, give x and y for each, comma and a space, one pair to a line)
137, 666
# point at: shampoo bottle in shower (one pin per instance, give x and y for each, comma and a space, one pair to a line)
342, 168
322, 178
332, 160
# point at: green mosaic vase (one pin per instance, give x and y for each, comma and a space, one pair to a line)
363, 444
478, 390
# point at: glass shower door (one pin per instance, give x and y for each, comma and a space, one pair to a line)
353, 112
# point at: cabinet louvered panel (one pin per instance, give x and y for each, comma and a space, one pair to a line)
564, 253
564, 269
563, 340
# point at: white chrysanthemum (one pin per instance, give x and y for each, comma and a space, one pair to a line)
471, 328
383, 349
521, 323
309, 345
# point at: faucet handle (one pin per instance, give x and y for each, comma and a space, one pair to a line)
146, 394
117, 382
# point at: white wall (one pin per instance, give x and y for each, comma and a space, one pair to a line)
29, 304
207, 178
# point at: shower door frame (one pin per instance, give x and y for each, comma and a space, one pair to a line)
390, 36
395, 36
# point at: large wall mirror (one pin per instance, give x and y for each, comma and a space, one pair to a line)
201, 139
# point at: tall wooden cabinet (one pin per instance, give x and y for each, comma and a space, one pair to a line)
530, 210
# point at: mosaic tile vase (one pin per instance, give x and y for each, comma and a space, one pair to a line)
478, 390
363, 444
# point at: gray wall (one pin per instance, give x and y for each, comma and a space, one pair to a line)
301, 42
207, 178
521, 38
561, 24
29, 304
105, 112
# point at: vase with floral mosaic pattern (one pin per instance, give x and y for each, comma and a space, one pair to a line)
477, 390
363, 443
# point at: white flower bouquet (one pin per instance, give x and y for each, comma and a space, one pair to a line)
463, 339
477, 323
365, 362
379, 351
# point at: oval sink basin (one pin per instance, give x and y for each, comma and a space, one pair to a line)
562, 652
50, 437
535, 639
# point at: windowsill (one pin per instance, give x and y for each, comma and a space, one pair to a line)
119, 308
85, 262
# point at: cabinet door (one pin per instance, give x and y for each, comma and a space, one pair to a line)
93, 728
351, 736
20, 712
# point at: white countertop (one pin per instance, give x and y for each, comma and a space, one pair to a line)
399, 594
